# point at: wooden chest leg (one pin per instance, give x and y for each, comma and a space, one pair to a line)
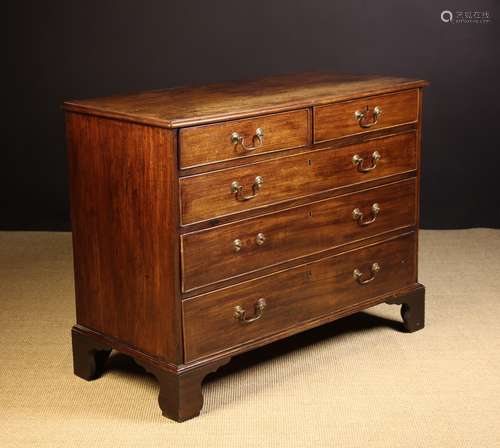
89, 356
180, 396
412, 309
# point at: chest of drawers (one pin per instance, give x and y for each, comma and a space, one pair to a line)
212, 220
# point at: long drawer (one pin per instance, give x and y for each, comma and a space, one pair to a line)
226, 251
200, 145
363, 115
224, 192
223, 319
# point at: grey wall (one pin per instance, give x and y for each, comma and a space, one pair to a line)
66, 49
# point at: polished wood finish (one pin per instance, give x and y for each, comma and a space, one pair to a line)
155, 214
209, 256
194, 105
208, 196
338, 120
202, 145
180, 396
89, 356
124, 211
294, 296
412, 309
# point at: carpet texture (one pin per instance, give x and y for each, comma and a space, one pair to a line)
354, 383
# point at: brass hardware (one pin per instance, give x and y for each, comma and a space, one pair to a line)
260, 239
236, 139
237, 245
358, 275
358, 161
240, 313
358, 215
360, 115
237, 189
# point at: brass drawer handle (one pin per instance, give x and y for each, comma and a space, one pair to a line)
237, 139
358, 161
260, 239
240, 313
358, 215
358, 275
362, 115
237, 189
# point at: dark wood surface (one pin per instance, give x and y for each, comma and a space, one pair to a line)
338, 120
89, 355
294, 296
201, 145
180, 396
208, 196
191, 105
412, 309
124, 214
209, 256
149, 201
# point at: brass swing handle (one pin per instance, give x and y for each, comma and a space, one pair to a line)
237, 139
237, 189
240, 313
362, 115
358, 161
358, 275
358, 215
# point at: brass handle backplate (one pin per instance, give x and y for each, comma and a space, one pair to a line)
237, 139
358, 161
240, 313
358, 275
358, 215
237, 189
363, 115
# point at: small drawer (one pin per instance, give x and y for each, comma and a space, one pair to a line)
367, 114
212, 255
252, 310
225, 192
211, 143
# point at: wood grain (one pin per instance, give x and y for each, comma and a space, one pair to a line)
202, 145
193, 105
338, 120
294, 296
208, 196
208, 256
124, 212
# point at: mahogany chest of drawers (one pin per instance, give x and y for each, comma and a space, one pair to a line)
209, 221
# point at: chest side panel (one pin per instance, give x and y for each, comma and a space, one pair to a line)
124, 220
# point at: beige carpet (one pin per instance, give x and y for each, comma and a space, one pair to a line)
354, 383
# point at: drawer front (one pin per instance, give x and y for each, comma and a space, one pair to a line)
212, 321
202, 145
211, 195
363, 115
212, 255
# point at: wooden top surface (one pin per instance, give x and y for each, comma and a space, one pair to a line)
186, 106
